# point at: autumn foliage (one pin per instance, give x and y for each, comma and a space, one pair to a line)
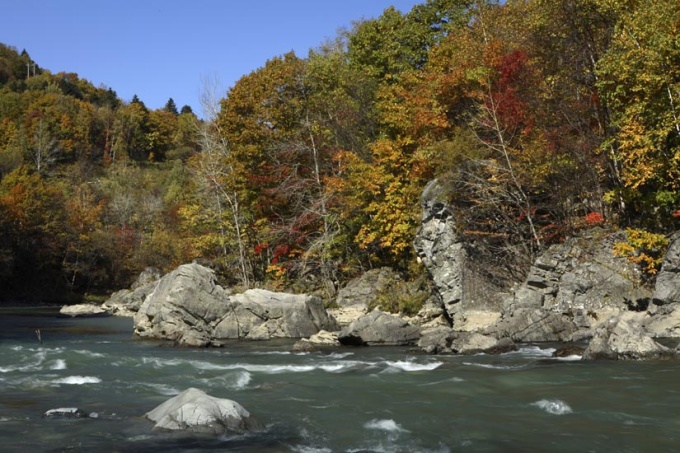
539, 118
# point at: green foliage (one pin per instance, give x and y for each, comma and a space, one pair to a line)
401, 298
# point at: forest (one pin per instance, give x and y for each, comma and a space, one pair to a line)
541, 118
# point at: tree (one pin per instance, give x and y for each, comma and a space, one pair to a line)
170, 107
640, 79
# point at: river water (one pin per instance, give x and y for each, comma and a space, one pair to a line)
344, 400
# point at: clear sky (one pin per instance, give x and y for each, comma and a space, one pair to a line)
160, 49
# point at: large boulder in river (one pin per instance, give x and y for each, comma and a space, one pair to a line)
195, 411
442, 340
667, 287
190, 308
621, 339
258, 314
183, 307
665, 322
529, 325
379, 328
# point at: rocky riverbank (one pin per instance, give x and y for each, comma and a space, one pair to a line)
577, 291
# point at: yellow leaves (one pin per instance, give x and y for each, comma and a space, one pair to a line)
643, 248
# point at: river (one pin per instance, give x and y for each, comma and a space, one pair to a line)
344, 400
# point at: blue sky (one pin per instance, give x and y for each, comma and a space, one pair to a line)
159, 49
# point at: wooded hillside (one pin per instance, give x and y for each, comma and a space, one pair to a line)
542, 117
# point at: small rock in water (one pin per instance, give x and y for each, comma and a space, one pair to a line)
568, 350
66, 412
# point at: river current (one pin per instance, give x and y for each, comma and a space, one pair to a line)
344, 400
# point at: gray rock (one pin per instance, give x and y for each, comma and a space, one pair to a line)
190, 308
259, 314
447, 341
665, 323
618, 339
533, 325
364, 290
581, 274
127, 302
378, 328
667, 288
195, 411
461, 281
82, 310
183, 306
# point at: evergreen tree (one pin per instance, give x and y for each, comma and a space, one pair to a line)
170, 107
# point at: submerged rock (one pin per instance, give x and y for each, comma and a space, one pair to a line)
66, 412
195, 411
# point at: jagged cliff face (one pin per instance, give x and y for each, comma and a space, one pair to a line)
462, 279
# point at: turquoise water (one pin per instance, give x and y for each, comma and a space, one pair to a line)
344, 400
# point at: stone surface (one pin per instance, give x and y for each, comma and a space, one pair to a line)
190, 308
183, 306
365, 289
347, 315
620, 339
258, 314
378, 328
127, 302
79, 310
581, 274
323, 339
195, 411
463, 281
442, 340
667, 288
665, 323
533, 325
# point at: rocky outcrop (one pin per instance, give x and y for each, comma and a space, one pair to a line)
127, 302
443, 340
581, 274
323, 339
190, 308
365, 289
82, 310
378, 328
664, 321
529, 325
461, 284
195, 411
667, 289
620, 339
258, 314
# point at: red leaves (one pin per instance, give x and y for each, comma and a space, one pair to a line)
510, 103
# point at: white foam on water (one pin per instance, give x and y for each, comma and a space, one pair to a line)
59, 364
242, 380
494, 366
308, 449
89, 353
445, 381
570, 358
405, 365
532, 351
384, 425
554, 406
339, 355
163, 389
77, 380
